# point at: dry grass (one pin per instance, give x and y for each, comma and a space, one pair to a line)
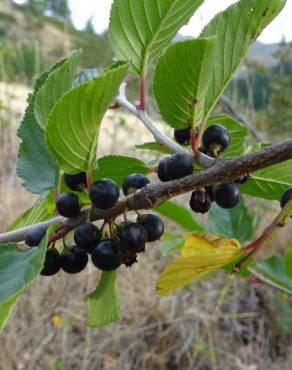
219, 323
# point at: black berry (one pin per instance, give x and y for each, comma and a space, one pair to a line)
76, 182
68, 205
107, 255
153, 225
104, 193
52, 263
287, 195
133, 237
133, 182
227, 195
34, 236
162, 171
86, 236
183, 136
74, 260
200, 201
216, 139
179, 165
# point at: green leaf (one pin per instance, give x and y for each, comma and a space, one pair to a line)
237, 131
86, 75
139, 30
103, 305
180, 215
269, 183
181, 81
237, 222
17, 271
274, 269
38, 213
35, 164
154, 146
236, 29
56, 85
74, 123
117, 168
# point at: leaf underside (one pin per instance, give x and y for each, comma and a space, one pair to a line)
236, 29
74, 123
181, 80
140, 29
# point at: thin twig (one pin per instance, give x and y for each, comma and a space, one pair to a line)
202, 159
268, 281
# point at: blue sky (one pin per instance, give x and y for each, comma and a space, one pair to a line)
100, 9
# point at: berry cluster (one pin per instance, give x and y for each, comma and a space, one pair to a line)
108, 252
124, 241
215, 140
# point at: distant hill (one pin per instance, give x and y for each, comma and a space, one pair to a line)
20, 26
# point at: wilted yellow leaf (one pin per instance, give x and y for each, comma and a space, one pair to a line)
201, 254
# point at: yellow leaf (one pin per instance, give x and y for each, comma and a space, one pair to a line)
201, 254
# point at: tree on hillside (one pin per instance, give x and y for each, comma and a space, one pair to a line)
59, 9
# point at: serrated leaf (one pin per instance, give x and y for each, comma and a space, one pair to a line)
35, 164
86, 75
56, 85
139, 30
237, 222
154, 146
236, 29
117, 168
200, 254
38, 213
73, 126
103, 305
269, 183
180, 215
181, 80
237, 131
17, 271
274, 269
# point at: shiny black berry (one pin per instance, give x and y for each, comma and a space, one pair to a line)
104, 193
287, 195
76, 182
52, 263
86, 236
133, 237
34, 236
200, 201
161, 170
216, 139
227, 195
179, 165
74, 260
153, 225
68, 205
107, 255
183, 136
134, 182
